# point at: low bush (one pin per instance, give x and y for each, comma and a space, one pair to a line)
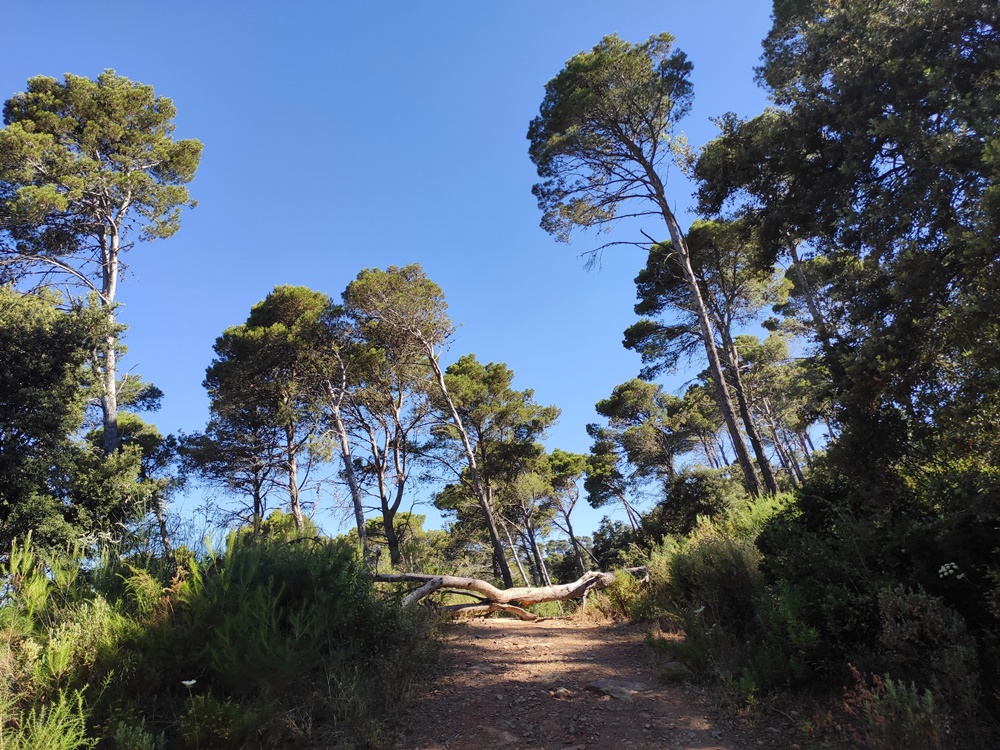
892, 715
277, 640
737, 627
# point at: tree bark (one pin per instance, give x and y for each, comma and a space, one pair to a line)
574, 541
517, 559
110, 248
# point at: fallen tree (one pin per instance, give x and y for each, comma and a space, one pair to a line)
491, 599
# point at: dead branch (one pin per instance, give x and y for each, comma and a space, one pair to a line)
492, 599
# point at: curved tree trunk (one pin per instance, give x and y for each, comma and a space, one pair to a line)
575, 542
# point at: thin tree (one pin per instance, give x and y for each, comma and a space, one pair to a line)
403, 304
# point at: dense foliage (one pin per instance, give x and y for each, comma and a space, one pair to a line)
818, 509
277, 640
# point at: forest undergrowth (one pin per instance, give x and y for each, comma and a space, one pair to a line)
775, 615
279, 641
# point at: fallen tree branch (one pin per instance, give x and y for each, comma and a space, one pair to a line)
507, 600
428, 588
478, 610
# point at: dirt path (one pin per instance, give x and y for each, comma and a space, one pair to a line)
511, 684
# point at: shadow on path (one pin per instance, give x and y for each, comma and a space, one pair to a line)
512, 684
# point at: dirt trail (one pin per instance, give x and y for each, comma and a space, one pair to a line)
511, 684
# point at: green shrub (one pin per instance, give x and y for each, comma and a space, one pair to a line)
283, 617
736, 626
281, 626
623, 598
924, 640
219, 725
718, 578
134, 736
59, 724
893, 715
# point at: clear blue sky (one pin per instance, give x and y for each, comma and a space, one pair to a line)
345, 136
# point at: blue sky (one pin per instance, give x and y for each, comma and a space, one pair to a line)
347, 136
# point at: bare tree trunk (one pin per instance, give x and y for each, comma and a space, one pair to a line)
517, 560
722, 450
710, 456
108, 355
634, 517
733, 362
792, 456
707, 335
805, 448
258, 510
547, 579
293, 478
470, 456
574, 541
543, 573
536, 576
812, 447
347, 461
336, 397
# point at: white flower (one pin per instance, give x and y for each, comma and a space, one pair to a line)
949, 569
188, 683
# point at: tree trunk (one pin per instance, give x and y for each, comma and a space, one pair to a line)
470, 456
726, 463
783, 457
733, 362
258, 510
536, 576
805, 448
543, 573
634, 518
792, 456
708, 338
109, 355
575, 542
389, 510
822, 330
159, 510
546, 578
109, 395
293, 478
344, 446
517, 559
